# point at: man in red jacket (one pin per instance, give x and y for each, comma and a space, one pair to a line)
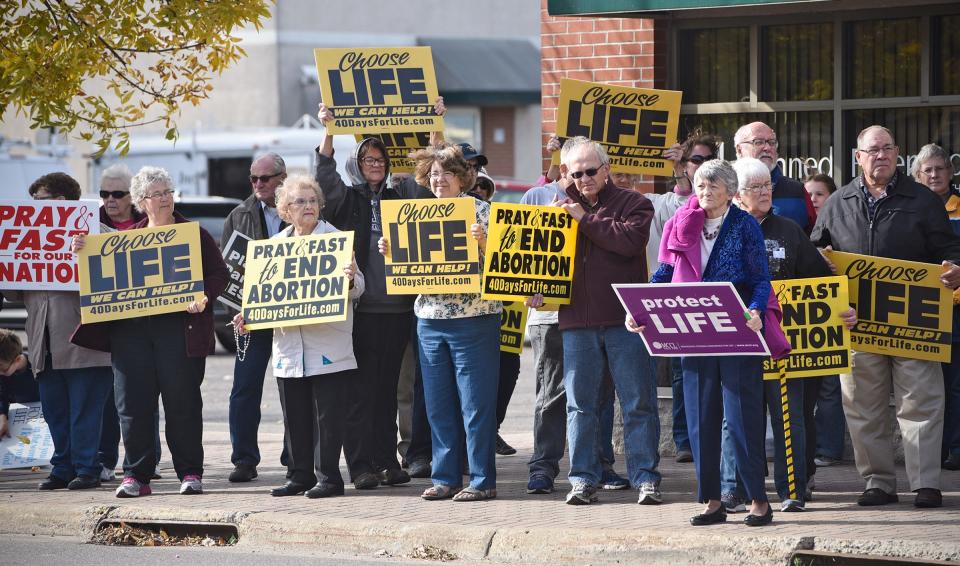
614, 225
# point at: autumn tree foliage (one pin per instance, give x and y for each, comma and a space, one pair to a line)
95, 68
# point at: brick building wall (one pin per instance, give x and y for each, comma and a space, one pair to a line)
619, 51
499, 153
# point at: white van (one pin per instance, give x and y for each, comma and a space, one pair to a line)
217, 163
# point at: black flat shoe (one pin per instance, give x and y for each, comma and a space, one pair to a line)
419, 469
322, 490
393, 477
752, 520
243, 473
51, 483
289, 488
84, 482
718, 516
366, 480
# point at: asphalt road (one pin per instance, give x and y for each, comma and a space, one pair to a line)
57, 551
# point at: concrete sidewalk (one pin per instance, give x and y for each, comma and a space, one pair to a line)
516, 527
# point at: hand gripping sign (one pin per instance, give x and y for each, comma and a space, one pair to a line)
140, 272
377, 90
691, 319
530, 250
902, 307
297, 281
634, 125
820, 343
35, 238
431, 249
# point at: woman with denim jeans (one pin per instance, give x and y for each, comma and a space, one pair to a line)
709, 240
459, 353
74, 382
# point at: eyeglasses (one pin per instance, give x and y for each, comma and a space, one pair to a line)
588, 172
115, 194
263, 178
875, 151
758, 143
700, 159
304, 201
929, 171
445, 174
161, 194
757, 188
373, 162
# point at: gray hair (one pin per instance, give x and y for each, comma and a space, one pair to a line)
573, 144
928, 152
145, 178
743, 131
117, 171
718, 171
748, 170
279, 165
863, 134
292, 183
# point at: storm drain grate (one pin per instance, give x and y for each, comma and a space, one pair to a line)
815, 558
117, 532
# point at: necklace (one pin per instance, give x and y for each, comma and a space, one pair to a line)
713, 234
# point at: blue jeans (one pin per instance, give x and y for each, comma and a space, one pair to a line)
246, 396
681, 438
460, 361
110, 434
731, 387
586, 353
72, 402
730, 482
607, 396
829, 419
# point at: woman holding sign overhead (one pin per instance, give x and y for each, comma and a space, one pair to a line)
161, 355
316, 369
459, 353
709, 240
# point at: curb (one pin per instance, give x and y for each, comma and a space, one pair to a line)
534, 545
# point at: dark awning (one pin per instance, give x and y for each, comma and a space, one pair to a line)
486, 72
608, 7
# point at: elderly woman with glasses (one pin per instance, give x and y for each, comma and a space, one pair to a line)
161, 355
710, 240
74, 381
934, 168
315, 367
459, 337
790, 255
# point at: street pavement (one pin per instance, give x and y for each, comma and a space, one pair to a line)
516, 527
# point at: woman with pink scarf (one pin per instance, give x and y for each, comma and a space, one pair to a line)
710, 240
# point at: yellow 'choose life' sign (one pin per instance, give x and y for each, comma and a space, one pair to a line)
431, 249
376, 90
530, 250
296, 281
140, 272
820, 343
902, 308
635, 125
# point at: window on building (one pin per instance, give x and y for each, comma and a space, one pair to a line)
819, 82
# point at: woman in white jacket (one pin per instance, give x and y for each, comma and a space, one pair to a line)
315, 368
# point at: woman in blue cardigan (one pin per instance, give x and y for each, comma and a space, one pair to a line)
709, 240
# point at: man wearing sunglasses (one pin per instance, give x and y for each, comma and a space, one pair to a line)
790, 199
614, 225
256, 218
